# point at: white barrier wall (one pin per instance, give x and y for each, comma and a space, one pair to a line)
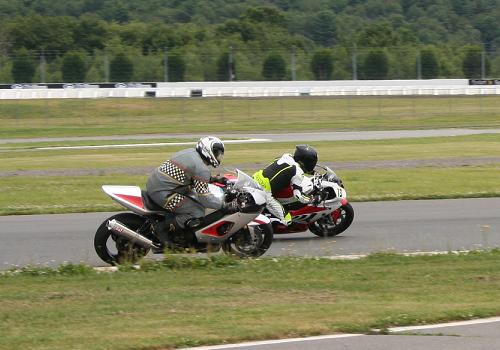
265, 89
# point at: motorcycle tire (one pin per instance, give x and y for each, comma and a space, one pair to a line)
126, 251
242, 245
325, 227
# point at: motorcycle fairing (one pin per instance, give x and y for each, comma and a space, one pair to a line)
260, 220
226, 226
128, 196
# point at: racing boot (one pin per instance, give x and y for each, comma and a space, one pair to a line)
163, 230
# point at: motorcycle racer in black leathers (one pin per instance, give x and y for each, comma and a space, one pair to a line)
288, 171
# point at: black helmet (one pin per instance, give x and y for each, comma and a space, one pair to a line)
307, 157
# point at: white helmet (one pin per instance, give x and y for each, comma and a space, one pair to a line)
211, 150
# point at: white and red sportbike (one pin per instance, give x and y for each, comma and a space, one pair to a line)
127, 237
330, 216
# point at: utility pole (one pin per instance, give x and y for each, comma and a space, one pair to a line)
294, 75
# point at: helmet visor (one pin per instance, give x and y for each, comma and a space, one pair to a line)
218, 151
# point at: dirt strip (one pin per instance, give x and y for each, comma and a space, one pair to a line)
365, 164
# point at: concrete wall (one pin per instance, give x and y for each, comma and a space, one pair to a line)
266, 89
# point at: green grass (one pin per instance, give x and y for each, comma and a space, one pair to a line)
176, 303
487, 145
86, 117
28, 194
68, 194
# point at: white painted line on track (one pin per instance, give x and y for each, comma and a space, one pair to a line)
449, 324
271, 342
157, 144
430, 253
337, 336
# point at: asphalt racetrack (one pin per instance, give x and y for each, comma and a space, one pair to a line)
397, 226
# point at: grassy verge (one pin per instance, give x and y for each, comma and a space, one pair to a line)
30, 194
85, 117
69, 194
487, 145
181, 302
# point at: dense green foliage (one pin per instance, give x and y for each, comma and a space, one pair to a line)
321, 64
375, 65
73, 67
429, 64
274, 67
201, 32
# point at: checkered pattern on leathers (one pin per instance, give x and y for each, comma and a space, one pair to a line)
174, 201
200, 187
173, 171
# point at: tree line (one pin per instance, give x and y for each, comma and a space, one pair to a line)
156, 40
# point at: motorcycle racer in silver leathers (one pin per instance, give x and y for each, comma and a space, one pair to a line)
180, 184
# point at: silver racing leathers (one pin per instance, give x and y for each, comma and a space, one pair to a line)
175, 182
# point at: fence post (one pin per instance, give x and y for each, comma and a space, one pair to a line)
106, 67
43, 76
165, 65
419, 66
230, 64
483, 64
354, 64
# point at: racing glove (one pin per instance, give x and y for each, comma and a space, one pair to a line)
317, 199
219, 179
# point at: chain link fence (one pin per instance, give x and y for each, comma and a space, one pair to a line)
243, 64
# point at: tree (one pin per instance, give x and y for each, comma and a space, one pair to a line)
122, 68
73, 67
52, 34
176, 68
23, 66
115, 10
429, 64
322, 64
274, 67
472, 63
323, 28
378, 35
265, 14
375, 65
90, 33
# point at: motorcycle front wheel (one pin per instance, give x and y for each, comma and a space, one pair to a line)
114, 249
335, 224
249, 242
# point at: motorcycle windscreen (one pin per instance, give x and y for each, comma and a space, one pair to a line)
245, 180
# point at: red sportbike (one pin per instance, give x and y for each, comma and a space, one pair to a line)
328, 217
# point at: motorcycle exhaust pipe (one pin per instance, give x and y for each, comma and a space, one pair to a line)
122, 230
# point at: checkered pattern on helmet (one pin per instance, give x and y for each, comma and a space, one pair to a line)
200, 187
173, 171
174, 201
205, 148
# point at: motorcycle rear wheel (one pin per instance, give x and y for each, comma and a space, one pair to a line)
116, 250
244, 244
329, 227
